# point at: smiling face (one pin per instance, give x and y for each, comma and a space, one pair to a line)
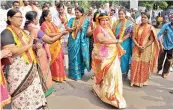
104, 22
78, 14
121, 15
69, 10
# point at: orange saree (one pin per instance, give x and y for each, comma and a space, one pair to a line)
57, 56
144, 62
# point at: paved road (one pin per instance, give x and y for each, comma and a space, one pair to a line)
78, 95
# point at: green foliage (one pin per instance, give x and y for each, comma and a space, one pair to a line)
147, 4
150, 4
170, 3
85, 5
163, 5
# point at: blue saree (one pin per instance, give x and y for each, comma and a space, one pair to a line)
127, 45
78, 51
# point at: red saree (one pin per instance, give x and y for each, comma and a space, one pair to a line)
145, 62
57, 56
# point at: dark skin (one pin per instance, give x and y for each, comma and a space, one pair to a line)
160, 42
141, 48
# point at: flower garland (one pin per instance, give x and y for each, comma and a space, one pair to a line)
122, 28
65, 17
51, 27
75, 23
22, 39
56, 46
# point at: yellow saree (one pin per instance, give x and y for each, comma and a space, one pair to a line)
106, 65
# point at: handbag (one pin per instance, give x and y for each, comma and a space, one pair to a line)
6, 61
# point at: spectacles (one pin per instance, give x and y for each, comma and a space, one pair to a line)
18, 17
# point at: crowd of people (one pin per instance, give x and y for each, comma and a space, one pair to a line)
109, 40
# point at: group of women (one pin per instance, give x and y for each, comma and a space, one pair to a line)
37, 55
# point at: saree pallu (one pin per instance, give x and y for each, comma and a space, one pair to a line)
145, 62
57, 55
4, 97
108, 77
44, 58
24, 85
45, 68
127, 44
78, 52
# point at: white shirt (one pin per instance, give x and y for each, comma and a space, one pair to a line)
24, 10
114, 18
3, 19
70, 16
58, 23
53, 10
138, 20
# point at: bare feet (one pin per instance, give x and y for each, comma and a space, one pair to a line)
165, 75
171, 92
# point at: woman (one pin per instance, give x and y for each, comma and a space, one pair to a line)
23, 76
106, 65
93, 24
122, 29
78, 45
144, 57
4, 97
57, 56
43, 53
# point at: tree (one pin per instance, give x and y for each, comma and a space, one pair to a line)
170, 3
85, 5
154, 4
162, 5
147, 4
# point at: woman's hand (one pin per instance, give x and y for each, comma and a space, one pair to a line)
38, 45
141, 48
119, 41
5, 53
74, 28
162, 47
65, 32
79, 27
